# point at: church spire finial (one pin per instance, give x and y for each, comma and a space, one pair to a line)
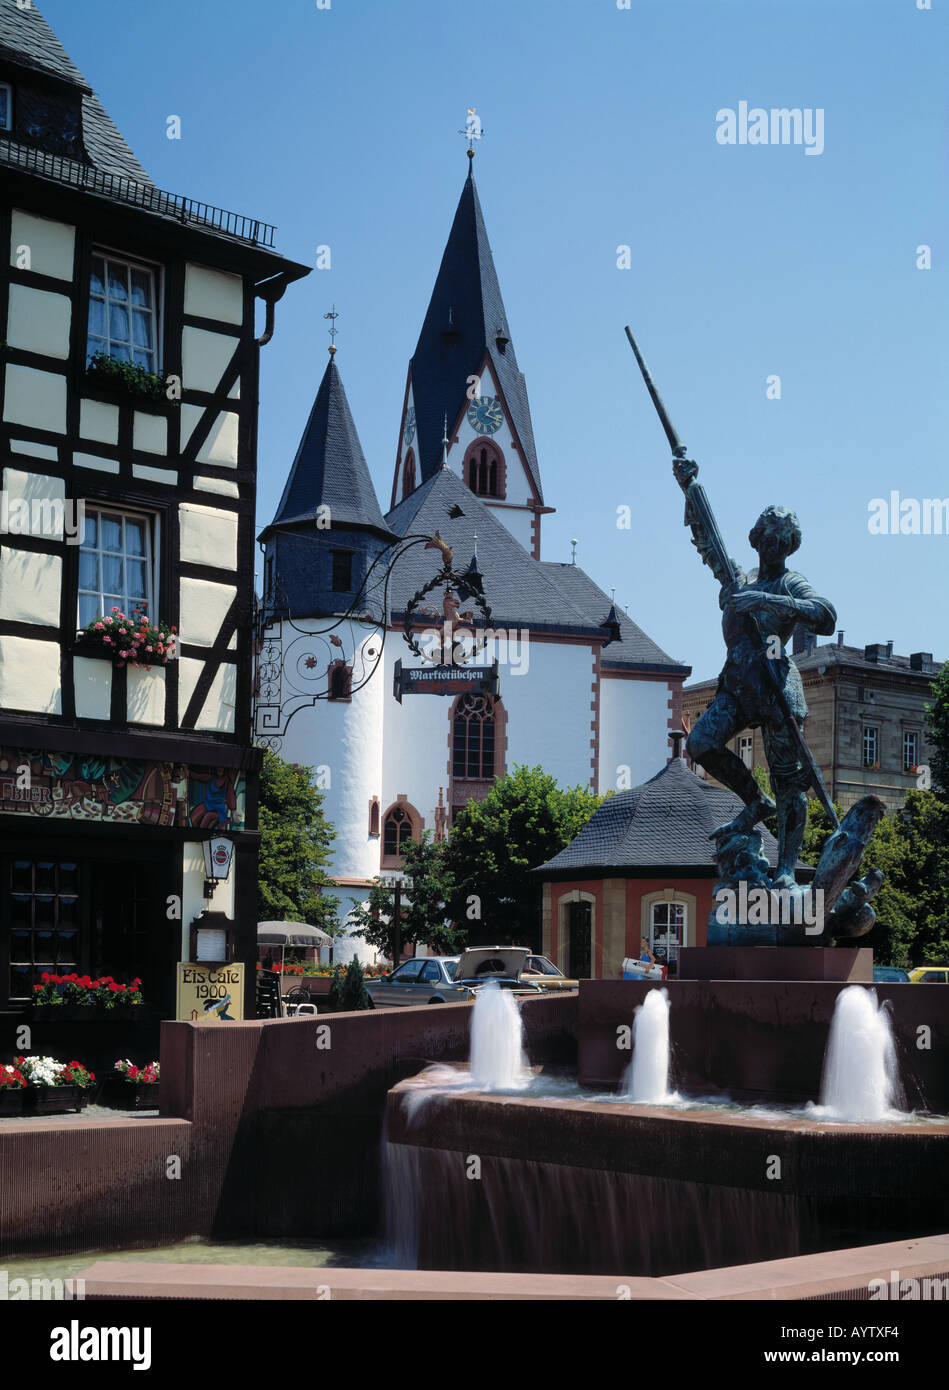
473, 131
332, 329
445, 443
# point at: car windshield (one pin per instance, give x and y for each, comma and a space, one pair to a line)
540, 965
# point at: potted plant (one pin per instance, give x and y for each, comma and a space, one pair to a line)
133, 1088
47, 1091
75, 1074
78, 998
127, 378
12, 1090
130, 640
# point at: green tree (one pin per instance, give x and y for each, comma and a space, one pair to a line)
348, 991
912, 849
937, 720
525, 819
428, 889
295, 839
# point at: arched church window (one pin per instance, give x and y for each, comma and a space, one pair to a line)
484, 470
400, 824
408, 474
473, 735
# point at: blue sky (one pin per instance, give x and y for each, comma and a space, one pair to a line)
340, 125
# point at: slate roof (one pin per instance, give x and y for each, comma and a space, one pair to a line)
467, 290
330, 467
666, 822
27, 39
832, 654
635, 651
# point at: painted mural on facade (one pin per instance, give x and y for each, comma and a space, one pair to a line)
119, 791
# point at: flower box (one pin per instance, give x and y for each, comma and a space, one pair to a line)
130, 1095
54, 1100
12, 1100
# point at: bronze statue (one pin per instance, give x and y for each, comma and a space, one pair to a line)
766, 604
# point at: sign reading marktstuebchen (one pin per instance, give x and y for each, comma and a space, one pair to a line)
444, 680
210, 993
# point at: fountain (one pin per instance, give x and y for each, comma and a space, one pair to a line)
647, 1080
861, 1078
497, 1060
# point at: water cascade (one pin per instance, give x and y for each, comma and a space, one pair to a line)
861, 1077
497, 1060
647, 1078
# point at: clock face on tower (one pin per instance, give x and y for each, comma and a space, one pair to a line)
410, 424
485, 415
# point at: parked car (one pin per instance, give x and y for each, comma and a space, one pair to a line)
889, 975
424, 980
542, 972
505, 964
930, 975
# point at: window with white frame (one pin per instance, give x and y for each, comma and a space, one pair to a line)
666, 931
745, 749
116, 563
871, 745
123, 311
6, 106
910, 750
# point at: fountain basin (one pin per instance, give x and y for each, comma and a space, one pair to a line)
580, 1186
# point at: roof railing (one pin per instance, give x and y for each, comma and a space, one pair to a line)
92, 180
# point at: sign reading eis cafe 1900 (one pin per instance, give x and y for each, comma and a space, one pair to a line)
444, 680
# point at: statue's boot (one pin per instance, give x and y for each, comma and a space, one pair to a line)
760, 809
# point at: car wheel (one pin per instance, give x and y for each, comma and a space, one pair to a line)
436, 1001
372, 1003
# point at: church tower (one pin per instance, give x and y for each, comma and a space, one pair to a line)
464, 372
325, 536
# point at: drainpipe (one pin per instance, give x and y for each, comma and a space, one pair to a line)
270, 291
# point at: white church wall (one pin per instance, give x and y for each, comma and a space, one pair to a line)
634, 744
549, 712
415, 745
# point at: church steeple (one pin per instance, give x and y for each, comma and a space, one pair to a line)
329, 469
328, 528
466, 335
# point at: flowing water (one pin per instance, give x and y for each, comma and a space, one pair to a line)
647, 1077
498, 1061
861, 1076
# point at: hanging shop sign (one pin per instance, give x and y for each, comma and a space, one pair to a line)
444, 680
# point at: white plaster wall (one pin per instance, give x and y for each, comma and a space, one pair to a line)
38, 451
634, 732
213, 294
204, 607
36, 487
92, 681
150, 433
35, 398
219, 485
99, 421
29, 675
549, 713
30, 587
517, 522
217, 713
205, 357
38, 321
155, 475
96, 461
220, 447
415, 744
51, 245
344, 741
146, 695
208, 535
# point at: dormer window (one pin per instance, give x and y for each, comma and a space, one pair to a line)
6, 106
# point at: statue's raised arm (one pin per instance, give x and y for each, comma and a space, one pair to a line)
700, 520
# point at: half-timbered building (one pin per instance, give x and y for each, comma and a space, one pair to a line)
128, 421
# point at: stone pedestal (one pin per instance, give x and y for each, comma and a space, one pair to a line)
850, 964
